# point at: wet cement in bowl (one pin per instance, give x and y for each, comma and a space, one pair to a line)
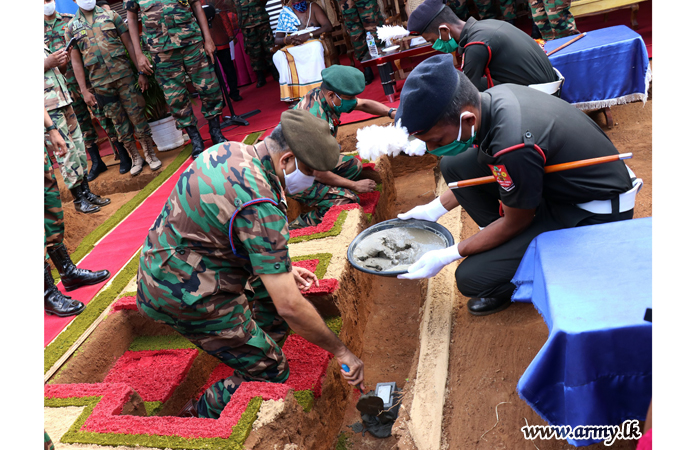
395, 249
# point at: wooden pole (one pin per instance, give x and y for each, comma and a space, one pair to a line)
547, 169
566, 44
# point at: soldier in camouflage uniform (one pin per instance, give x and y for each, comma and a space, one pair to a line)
361, 16
177, 36
73, 163
48, 444
257, 36
553, 18
54, 39
460, 7
102, 51
486, 11
337, 94
215, 264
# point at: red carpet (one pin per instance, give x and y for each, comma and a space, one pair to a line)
115, 250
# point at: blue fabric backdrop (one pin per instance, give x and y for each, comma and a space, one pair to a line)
66, 6
592, 286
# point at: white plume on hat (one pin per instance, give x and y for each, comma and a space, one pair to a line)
374, 141
386, 32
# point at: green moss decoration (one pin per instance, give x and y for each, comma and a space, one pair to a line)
92, 311
153, 408
305, 399
337, 227
235, 441
128, 294
324, 259
343, 442
335, 324
252, 138
168, 342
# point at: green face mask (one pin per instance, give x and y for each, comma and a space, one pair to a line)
345, 105
456, 147
446, 46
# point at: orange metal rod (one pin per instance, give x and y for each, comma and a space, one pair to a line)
547, 169
566, 44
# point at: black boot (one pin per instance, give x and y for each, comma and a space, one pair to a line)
55, 302
261, 78
81, 203
215, 131
124, 158
535, 34
196, 138
97, 165
235, 95
275, 73
483, 306
93, 198
369, 76
71, 276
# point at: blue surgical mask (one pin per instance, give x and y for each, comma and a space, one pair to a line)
458, 146
447, 46
297, 181
346, 106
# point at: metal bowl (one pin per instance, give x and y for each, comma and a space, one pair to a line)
433, 227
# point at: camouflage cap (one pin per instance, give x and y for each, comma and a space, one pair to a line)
344, 80
310, 139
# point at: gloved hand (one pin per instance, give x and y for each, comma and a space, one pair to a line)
431, 263
430, 212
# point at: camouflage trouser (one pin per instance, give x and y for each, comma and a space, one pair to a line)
48, 444
243, 331
173, 67
53, 211
460, 8
553, 18
258, 42
74, 163
322, 197
361, 16
486, 12
123, 103
82, 112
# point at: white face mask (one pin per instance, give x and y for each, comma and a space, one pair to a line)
297, 181
49, 8
87, 5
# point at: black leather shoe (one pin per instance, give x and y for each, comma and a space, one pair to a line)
235, 96
261, 78
55, 302
93, 198
485, 306
369, 76
196, 138
97, 165
71, 276
215, 131
124, 158
82, 204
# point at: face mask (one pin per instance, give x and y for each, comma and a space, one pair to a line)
87, 5
49, 8
297, 181
445, 46
345, 105
456, 147
301, 6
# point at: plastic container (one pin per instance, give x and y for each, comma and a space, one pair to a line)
372, 46
165, 134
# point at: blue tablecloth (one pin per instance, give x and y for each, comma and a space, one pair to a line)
592, 286
606, 67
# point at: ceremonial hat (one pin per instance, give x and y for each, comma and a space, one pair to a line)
427, 93
421, 17
310, 139
344, 80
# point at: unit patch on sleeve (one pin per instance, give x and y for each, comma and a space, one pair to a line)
501, 175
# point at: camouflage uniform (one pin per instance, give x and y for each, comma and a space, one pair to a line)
486, 12
460, 8
53, 210
553, 18
48, 444
54, 39
257, 33
361, 16
173, 37
107, 66
222, 226
57, 102
321, 196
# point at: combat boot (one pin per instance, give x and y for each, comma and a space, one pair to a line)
97, 165
81, 203
124, 158
93, 198
215, 131
55, 302
149, 153
136, 160
71, 276
196, 138
261, 78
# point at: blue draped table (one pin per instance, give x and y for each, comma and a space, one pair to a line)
604, 68
592, 286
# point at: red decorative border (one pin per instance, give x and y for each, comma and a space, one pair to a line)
327, 222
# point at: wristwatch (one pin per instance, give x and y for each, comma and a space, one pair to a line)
51, 127
391, 110
141, 73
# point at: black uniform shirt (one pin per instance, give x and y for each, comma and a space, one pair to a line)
552, 132
515, 57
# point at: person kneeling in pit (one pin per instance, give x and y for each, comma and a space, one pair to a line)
519, 131
337, 95
215, 265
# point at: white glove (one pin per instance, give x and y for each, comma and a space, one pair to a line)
430, 212
431, 263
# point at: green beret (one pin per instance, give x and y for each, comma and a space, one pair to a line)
344, 80
310, 139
